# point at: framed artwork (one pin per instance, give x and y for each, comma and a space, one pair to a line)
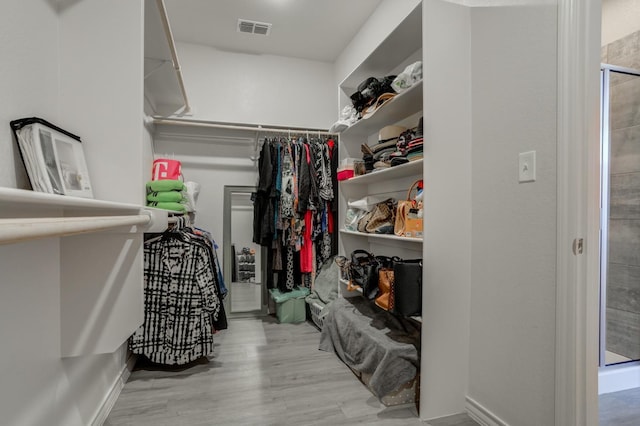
54, 158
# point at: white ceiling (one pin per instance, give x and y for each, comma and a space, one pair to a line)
308, 29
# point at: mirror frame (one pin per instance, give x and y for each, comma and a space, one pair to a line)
226, 250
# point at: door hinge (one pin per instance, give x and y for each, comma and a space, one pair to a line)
578, 246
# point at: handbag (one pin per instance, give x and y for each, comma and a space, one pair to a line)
407, 287
363, 273
408, 221
385, 285
380, 219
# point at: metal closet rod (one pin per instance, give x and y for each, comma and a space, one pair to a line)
199, 123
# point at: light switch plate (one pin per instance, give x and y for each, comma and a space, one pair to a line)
527, 166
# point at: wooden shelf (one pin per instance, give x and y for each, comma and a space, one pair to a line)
403, 105
382, 236
411, 168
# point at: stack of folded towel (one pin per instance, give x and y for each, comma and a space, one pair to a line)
167, 195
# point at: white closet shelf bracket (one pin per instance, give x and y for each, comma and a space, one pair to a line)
24, 229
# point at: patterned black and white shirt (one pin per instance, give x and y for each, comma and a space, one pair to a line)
180, 301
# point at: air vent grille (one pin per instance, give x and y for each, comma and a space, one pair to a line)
253, 27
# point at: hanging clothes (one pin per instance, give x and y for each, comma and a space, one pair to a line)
182, 299
293, 206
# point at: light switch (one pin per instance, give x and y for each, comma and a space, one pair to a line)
527, 166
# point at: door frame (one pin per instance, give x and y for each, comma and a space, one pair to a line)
578, 214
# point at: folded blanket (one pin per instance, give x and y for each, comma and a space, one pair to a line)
167, 196
373, 342
176, 207
165, 185
325, 286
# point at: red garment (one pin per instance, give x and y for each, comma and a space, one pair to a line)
306, 251
330, 219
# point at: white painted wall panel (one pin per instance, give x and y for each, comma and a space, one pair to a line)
101, 92
38, 386
214, 159
258, 89
619, 18
447, 237
29, 70
513, 287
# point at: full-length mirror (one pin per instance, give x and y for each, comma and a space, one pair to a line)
242, 257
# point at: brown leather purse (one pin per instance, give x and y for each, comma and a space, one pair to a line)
385, 289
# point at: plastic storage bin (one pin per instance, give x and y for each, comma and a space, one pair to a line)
290, 306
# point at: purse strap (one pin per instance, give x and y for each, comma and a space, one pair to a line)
414, 185
355, 258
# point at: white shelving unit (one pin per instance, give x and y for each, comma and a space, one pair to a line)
401, 48
400, 107
391, 237
409, 169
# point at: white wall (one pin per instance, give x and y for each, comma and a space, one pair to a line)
29, 84
213, 158
447, 235
258, 89
99, 92
39, 387
619, 18
513, 287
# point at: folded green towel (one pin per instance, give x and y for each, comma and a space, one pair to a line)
176, 207
165, 185
167, 196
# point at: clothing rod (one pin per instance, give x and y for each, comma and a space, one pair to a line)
183, 122
16, 230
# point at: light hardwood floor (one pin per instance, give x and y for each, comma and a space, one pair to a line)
620, 408
262, 373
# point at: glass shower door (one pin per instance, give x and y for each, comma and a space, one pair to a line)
620, 222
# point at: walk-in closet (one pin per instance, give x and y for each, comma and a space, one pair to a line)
290, 212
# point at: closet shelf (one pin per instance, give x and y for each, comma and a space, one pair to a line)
404, 40
20, 198
403, 105
407, 169
382, 236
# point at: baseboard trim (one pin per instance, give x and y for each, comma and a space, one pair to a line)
111, 398
482, 415
618, 378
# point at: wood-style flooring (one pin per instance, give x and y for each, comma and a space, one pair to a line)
620, 408
262, 373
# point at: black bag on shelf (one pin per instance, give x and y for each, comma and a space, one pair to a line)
364, 272
407, 289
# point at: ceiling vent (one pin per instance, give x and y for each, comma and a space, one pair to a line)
253, 27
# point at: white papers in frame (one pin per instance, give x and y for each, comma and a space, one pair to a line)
54, 158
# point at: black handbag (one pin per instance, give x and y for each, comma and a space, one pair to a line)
407, 288
364, 272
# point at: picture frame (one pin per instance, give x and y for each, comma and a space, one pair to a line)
53, 158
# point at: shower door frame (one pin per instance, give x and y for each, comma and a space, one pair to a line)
605, 168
